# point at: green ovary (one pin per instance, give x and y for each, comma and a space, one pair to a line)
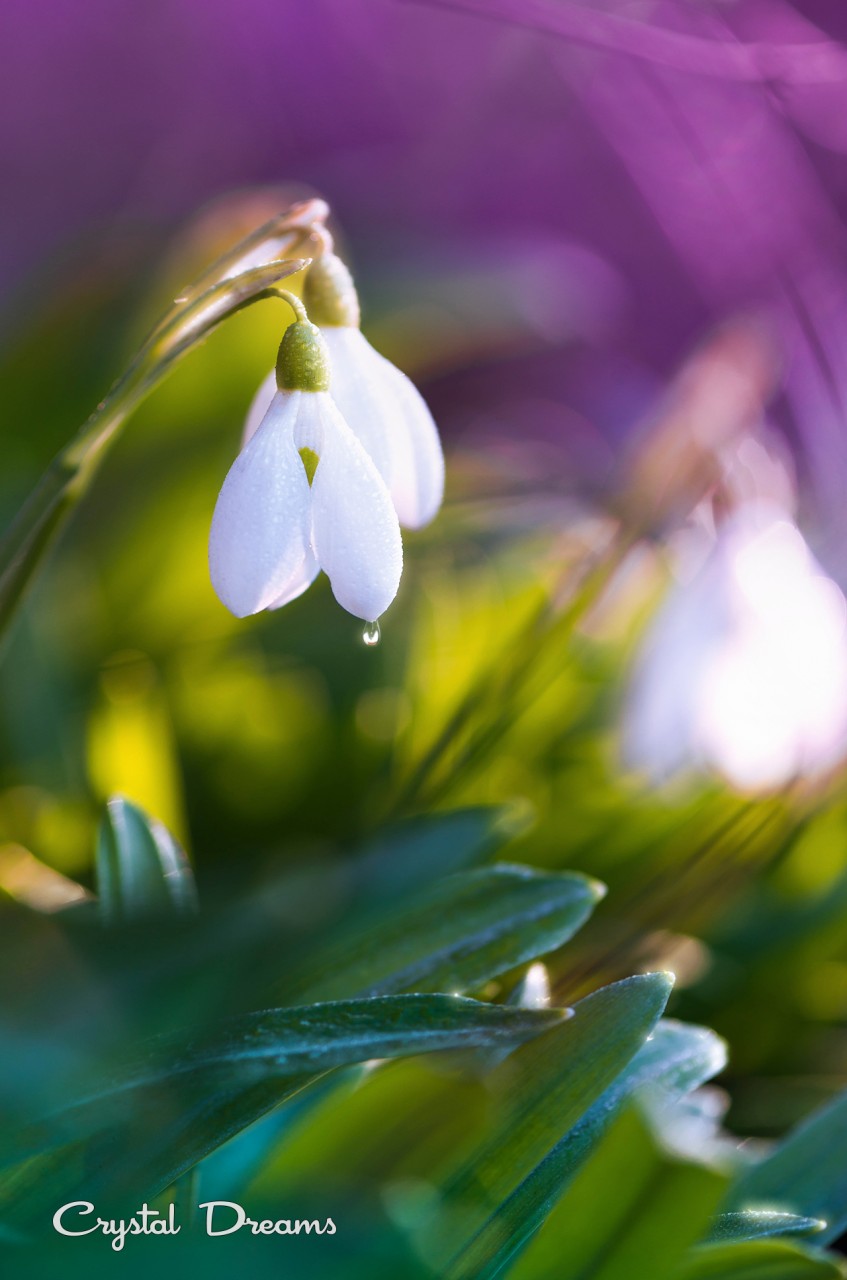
310, 462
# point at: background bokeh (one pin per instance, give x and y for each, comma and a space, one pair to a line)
547, 207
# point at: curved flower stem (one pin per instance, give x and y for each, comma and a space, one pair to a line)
215, 296
294, 303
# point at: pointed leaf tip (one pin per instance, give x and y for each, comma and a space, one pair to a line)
142, 870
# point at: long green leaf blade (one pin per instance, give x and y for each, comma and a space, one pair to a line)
634, 1210
805, 1174
675, 1059
505, 915
465, 930
543, 1091
753, 1224
158, 1116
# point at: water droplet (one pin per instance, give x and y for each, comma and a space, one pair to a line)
371, 633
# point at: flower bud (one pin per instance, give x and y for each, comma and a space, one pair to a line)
329, 293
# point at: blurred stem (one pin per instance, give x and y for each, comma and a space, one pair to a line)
496, 687
216, 295
743, 843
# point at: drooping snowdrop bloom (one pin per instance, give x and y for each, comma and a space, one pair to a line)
303, 495
384, 409
745, 669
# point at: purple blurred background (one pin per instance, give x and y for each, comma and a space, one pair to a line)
626, 174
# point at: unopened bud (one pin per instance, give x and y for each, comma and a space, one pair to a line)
329, 293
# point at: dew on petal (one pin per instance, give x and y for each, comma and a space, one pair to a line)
371, 634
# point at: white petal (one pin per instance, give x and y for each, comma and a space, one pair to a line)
388, 415
745, 669
300, 583
355, 533
661, 713
417, 485
259, 539
259, 406
358, 388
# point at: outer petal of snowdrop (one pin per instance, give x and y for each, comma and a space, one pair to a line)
688, 630
355, 532
745, 669
259, 406
359, 390
773, 705
300, 583
259, 541
388, 416
418, 482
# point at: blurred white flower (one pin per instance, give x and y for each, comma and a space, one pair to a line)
302, 496
745, 667
383, 408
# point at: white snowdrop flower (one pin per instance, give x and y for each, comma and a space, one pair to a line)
383, 408
745, 668
302, 496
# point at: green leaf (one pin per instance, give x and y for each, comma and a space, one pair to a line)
504, 916
158, 1116
470, 928
632, 1210
408, 856
758, 1260
141, 869
675, 1059
544, 1090
460, 933
805, 1174
758, 1224
453, 936
230, 1167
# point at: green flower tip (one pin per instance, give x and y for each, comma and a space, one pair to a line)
329, 293
303, 360
310, 462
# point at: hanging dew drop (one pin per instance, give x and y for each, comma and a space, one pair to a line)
371, 633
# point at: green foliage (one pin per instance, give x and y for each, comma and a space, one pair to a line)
629, 1204
141, 870
213, 1088
458, 934
543, 1093
757, 1224
806, 1172
672, 1061
762, 1260
383, 840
